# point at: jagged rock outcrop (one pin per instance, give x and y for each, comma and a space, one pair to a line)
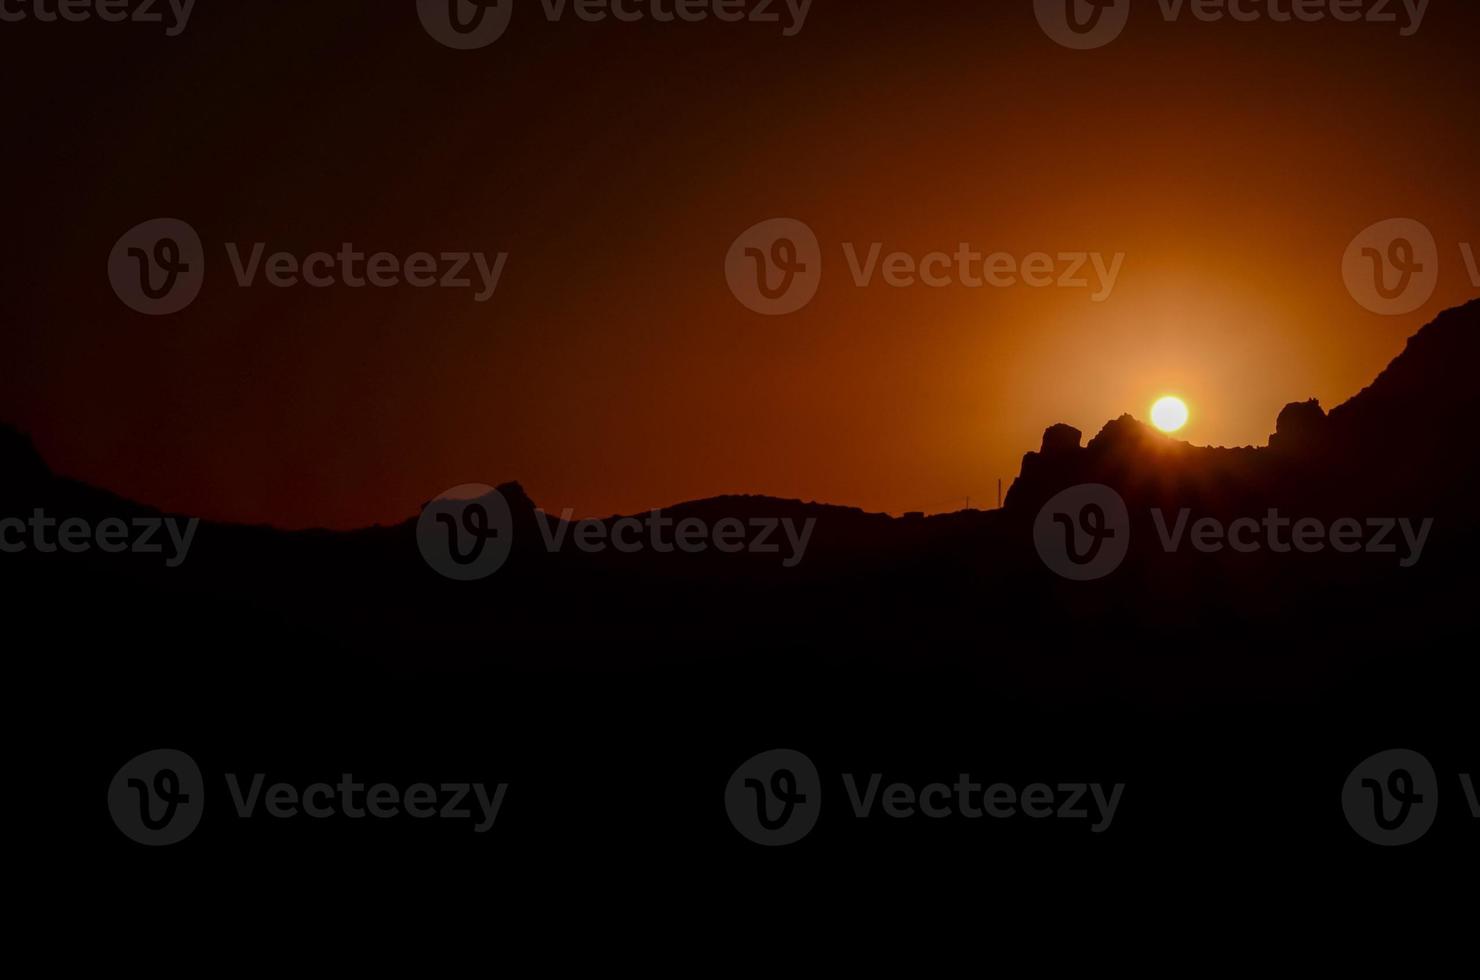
1301, 427
1395, 446
1061, 440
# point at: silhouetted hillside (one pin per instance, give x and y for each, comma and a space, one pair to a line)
591, 676
812, 586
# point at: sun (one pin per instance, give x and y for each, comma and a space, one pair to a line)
1169, 414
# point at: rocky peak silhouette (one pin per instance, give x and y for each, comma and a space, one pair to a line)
1402, 442
1061, 440
1300, 428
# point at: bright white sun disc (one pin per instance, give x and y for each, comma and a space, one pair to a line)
1169, 414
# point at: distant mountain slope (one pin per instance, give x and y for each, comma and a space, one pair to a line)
1408, 433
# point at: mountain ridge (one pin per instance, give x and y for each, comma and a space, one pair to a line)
1392, 417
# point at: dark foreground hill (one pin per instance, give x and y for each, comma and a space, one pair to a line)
811, 583
866, 637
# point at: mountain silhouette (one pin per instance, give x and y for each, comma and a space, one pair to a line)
967, 591
946, 638
1401, 447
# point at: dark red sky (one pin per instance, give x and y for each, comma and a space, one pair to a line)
613, 371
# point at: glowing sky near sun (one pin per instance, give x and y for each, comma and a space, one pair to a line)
614, 371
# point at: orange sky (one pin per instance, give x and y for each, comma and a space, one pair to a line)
613, 371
